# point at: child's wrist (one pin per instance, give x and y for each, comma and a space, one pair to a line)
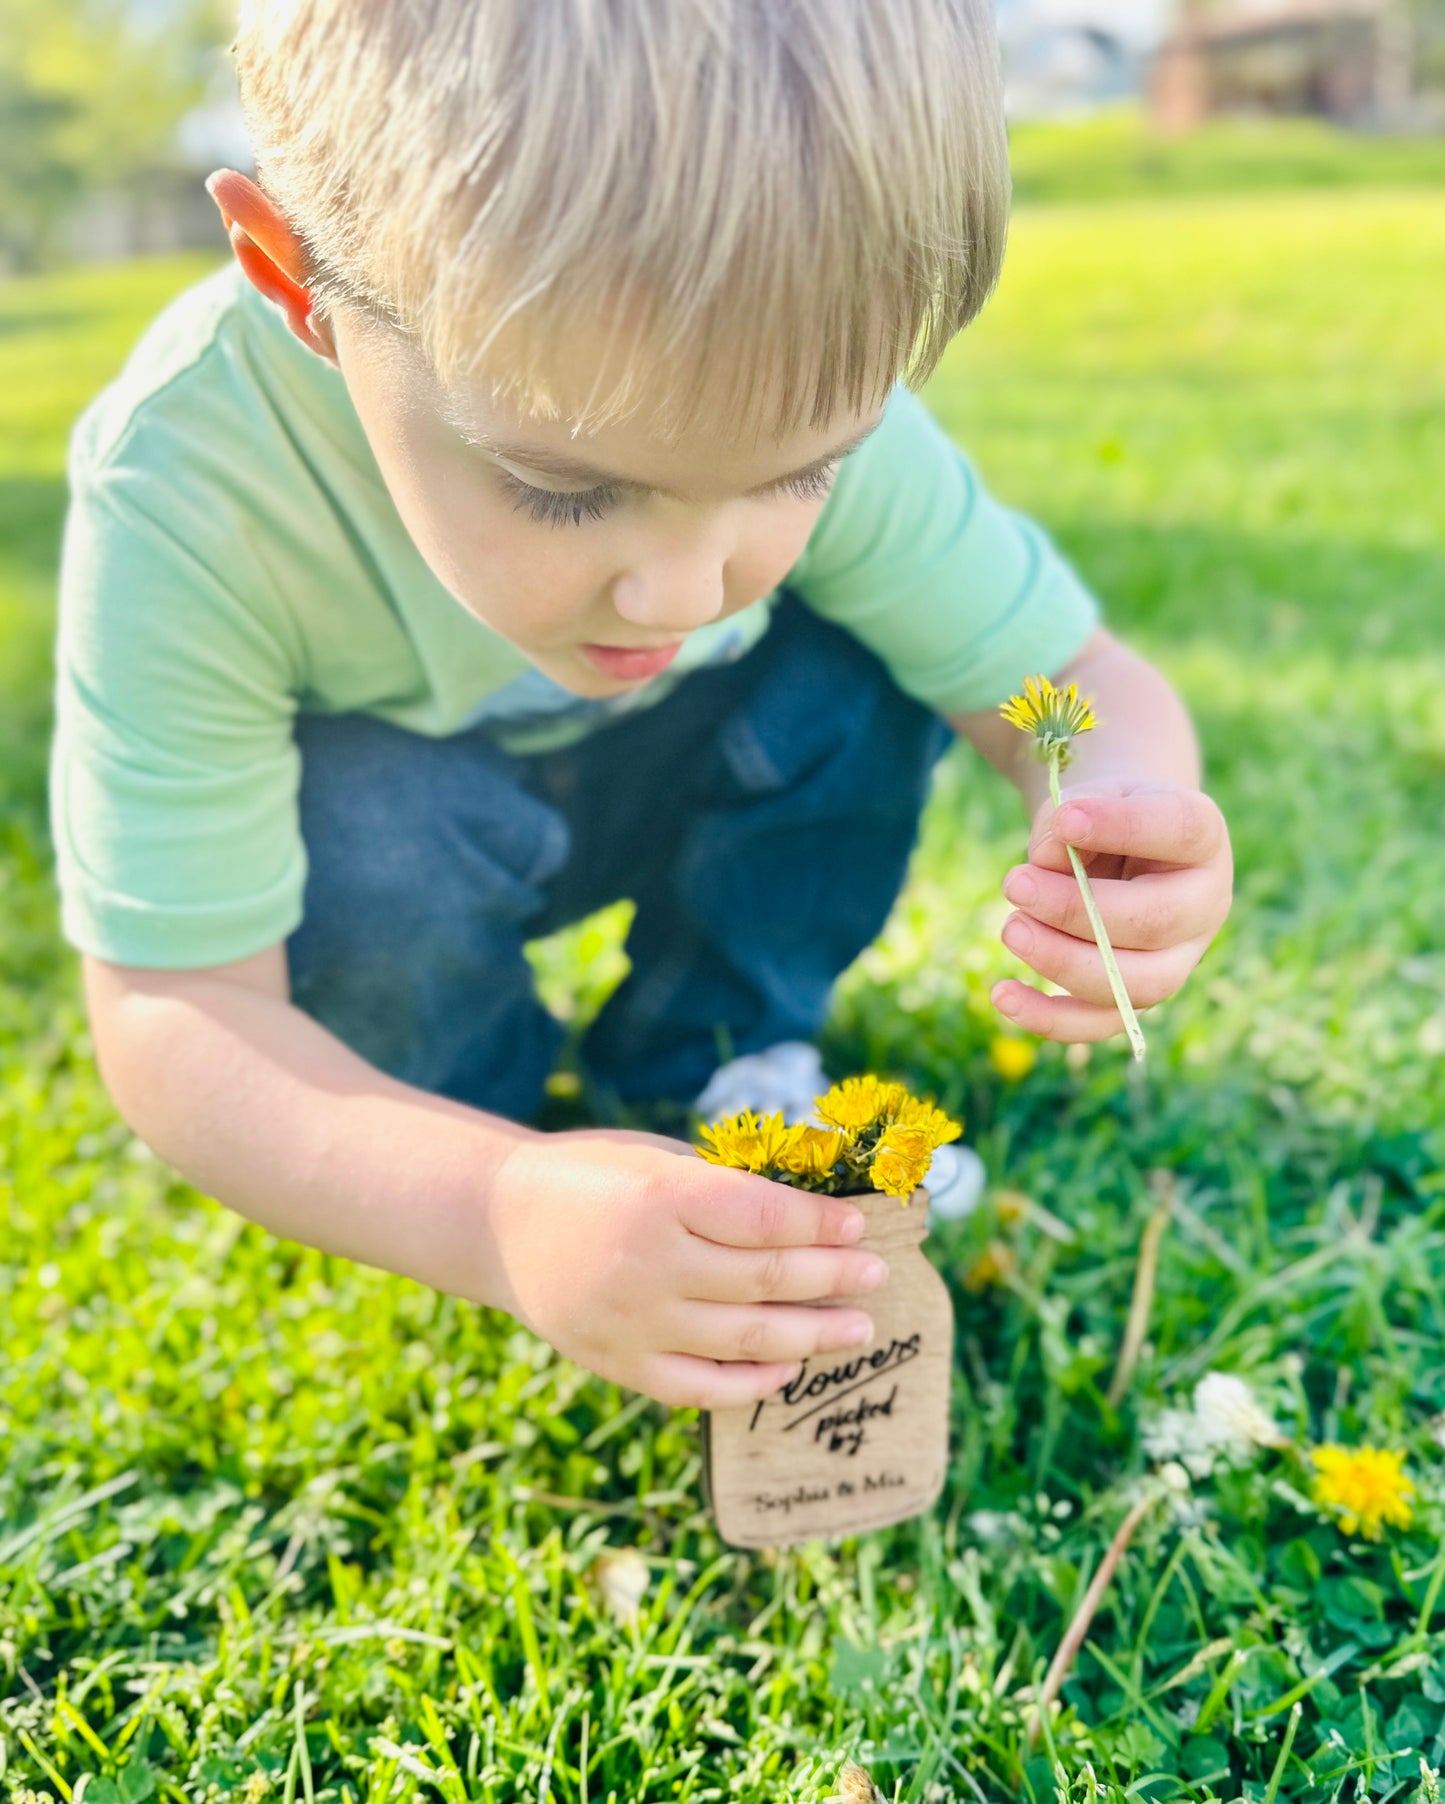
484, 1204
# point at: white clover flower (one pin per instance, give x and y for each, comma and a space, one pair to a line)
1177, 1435
1228, 1415
1224, 1419
990, 1525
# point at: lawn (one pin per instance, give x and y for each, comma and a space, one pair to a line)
275, 1525
1116, 153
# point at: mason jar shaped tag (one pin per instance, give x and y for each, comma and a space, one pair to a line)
859, 1439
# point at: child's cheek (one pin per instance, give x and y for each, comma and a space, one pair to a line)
769, 551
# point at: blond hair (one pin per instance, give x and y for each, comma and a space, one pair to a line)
804, 200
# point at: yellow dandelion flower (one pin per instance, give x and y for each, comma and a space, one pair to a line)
1012, 1059
858, 1102
938, 1127
745, 1143
1052, 715
814, 1151
995, 1265
901, 1160
876, 1133
1366, 1485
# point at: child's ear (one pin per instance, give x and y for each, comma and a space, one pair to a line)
270, 253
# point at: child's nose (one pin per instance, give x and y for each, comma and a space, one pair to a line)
676, 596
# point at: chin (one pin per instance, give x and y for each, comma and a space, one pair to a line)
576, 674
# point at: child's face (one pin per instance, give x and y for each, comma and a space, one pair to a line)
638, 549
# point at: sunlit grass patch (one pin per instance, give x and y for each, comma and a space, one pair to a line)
271, 1521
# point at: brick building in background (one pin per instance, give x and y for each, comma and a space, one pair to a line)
1346, 60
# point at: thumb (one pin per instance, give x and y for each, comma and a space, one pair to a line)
1046, 849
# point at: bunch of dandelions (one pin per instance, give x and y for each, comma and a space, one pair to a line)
1055, 717
875, 1136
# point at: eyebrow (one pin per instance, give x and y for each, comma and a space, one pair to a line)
572, 469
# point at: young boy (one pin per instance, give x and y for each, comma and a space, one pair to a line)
534, 515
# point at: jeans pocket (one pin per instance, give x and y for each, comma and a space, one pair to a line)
804, 707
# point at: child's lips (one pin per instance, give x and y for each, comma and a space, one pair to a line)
631, 663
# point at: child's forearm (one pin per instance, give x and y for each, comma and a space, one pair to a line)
1149, 735
263, 1109
700, 1286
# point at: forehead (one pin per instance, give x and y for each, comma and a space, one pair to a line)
678, 430
628, 455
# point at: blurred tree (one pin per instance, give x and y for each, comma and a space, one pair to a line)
91, 92
1428, 20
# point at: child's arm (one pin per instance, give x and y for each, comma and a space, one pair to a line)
626, 1251
1155, 846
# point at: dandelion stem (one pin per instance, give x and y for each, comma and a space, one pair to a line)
1139, 1305
1096, 921
1074, 1637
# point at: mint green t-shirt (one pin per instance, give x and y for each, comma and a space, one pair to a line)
231, 555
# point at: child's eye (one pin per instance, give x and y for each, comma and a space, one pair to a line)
555, 506
812, 486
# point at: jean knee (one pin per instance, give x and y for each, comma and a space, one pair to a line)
425, 861
404, 834
832, 705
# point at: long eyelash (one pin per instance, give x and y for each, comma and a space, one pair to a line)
555, 507
813, 485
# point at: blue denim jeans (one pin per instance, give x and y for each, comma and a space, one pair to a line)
761, 817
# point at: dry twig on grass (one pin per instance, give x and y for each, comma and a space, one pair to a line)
1074, 1637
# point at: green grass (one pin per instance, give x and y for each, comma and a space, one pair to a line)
262, 1512
1116, 154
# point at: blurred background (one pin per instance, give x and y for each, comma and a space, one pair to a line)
1215, 370
112, 112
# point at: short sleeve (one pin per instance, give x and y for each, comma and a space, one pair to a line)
174, 770
960, 596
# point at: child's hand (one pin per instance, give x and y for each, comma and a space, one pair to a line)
641, 1261
1159, 860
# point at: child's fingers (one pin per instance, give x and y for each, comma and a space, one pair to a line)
715, 1274
1048, 852
770, 1332
682, 1382
1147, 913
1055, 1017
739, 1210
1078, 965
1173, 824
